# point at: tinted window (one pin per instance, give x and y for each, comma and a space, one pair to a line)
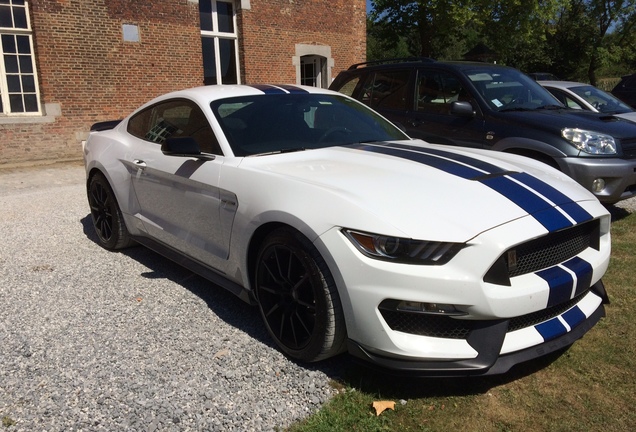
386, 90
176, 118
280, 123
349, 86
565, 99
435, 90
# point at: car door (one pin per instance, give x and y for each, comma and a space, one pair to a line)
432, 117
181, 204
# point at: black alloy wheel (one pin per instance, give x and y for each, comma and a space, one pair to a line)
297, 297
107, 218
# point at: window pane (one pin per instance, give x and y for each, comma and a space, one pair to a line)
13, 83
5, 17
228, 61
209, 61
15, 102
28, 84
30, 103
26, 65
8, 44
19, 17
24, 47
11, 64
224, 14
205, 14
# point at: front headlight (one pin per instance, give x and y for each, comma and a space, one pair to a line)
590, 142
403, 250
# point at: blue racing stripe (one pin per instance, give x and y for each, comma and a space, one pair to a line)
583, 271
574, 317
538, 199
293, 89
268, 89
447, 166
551, 218
575, 211
560, 283
477, 163
551, 329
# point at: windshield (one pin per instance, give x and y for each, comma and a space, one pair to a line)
510, 90
273, 123
601, 101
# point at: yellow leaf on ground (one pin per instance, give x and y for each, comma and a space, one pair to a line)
381, 406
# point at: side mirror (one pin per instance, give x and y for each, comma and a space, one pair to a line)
462, 109
183, 146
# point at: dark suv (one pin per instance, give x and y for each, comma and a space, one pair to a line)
488, 106
625, 90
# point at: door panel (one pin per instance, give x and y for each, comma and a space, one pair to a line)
431, 118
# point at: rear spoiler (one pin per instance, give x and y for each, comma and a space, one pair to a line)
105, 125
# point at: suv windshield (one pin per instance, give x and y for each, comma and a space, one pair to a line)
274, 123
510, 90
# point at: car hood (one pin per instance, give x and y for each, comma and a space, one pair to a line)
555, 120
415, 189
631, 116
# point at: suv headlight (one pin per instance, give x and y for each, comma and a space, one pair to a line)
590, 142
403, 250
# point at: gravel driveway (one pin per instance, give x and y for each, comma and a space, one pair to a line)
93, 340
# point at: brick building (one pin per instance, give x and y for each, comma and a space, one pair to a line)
67, 64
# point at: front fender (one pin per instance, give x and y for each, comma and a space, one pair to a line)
519, 143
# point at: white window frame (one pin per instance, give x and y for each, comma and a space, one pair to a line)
217, 35
4, 90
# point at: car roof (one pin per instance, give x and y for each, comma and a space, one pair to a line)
206, 94
563, 84
412, 62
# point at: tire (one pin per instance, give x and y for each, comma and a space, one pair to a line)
297, 297
108, 221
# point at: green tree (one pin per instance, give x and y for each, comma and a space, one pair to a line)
428, 24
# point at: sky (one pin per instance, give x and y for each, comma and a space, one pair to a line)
368, 5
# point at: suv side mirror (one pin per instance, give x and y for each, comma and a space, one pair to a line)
462, 109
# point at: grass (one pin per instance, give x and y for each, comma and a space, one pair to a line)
589, 387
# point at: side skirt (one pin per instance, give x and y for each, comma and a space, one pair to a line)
198, 268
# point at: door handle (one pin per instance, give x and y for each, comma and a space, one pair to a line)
139, 163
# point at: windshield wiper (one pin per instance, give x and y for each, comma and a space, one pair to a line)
516, 109
550, 107
287, 150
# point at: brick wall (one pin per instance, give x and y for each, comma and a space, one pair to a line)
272, 28
87, 73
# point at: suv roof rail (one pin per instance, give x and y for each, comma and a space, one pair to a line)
392, 60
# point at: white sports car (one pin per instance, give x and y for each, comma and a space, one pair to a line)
347, 234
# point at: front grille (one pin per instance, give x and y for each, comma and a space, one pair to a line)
544, 252
542, 315
629, 148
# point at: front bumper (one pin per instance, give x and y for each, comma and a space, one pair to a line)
619, 176
509, 320
487, 339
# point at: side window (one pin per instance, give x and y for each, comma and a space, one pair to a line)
386, 90
436, 90
349, 86
177, 118
565, 99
